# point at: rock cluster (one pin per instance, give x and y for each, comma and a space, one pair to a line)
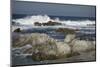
44, 47
49, 23
79, 46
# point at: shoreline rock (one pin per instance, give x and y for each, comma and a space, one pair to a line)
44, 47
66, 30
17, 30
49, 23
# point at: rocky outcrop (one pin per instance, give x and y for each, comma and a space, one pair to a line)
46, 48
63, 49
79, 46
23, 39
66, 30
37, 24
43, 47
69, 38
17, 30
49, 23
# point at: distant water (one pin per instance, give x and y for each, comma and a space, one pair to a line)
17, 16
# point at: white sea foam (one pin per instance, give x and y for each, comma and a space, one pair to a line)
30, 20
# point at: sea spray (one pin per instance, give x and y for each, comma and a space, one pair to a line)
30, 20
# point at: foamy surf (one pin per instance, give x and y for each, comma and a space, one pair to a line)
30, 20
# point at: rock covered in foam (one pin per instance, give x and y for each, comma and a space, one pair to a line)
63, 48
82, 46
20, 40
48, 48
51, 50
44, 51
69, 38
43, 47
27, 49
79, 46
39, 39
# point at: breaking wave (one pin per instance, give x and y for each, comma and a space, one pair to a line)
30, 20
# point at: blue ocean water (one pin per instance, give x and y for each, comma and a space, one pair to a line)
17, 16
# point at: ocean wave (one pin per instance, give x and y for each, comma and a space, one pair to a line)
30, 20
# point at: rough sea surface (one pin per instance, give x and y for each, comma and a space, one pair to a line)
84, 32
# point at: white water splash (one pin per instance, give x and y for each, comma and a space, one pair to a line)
30, 20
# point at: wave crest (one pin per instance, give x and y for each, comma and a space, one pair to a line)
30, 20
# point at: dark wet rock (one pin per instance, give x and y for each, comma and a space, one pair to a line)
37, 24
51, 23
17, 30
66, 30
13, 23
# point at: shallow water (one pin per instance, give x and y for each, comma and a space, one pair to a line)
27, 60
